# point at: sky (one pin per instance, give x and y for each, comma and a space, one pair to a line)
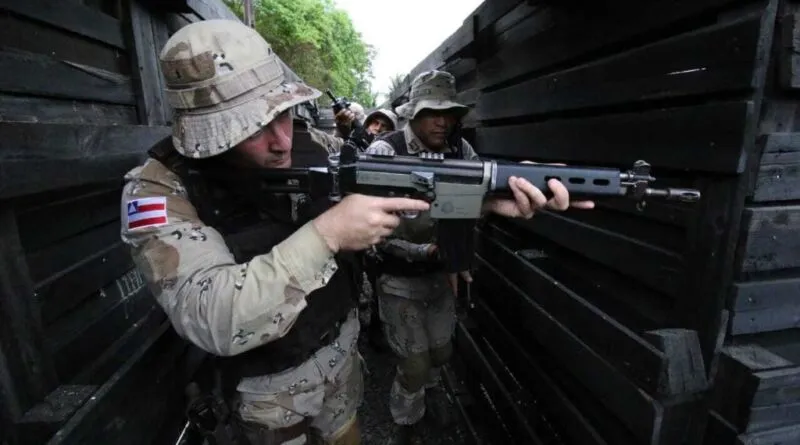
389, 29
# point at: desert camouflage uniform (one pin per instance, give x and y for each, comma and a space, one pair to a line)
418, 312
332, 144
221, 306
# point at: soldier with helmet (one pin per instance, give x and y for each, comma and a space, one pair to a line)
416, 293
264, 282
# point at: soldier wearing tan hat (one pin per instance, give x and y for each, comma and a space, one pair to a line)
263, 282
417, 297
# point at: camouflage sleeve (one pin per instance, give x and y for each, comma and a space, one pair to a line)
223, 307
469, 152
331, 144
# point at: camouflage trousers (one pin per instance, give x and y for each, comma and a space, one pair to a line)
418, 316
365, 304
324, 391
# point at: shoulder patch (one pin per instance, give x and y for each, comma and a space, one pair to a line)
146, 212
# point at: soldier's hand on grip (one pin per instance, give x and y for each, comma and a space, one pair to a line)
360, 221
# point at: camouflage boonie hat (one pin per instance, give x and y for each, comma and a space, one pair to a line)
225, 83
388, 114
435, 90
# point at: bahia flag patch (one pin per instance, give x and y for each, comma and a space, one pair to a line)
147, 212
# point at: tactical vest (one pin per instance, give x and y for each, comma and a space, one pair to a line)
453, 237
252, 223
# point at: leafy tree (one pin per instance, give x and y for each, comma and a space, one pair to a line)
318, 41
396, 84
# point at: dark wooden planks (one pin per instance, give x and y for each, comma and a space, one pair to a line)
782, 435
655, 267
62, 142
41, 421
770, 242
100, 368
33, 74
712, 60
535, 378
779, 173
765, 294
93, 327
28, 364
149, 83
719, 431
789, 63
506, 405
668, 237
769, 417
19, 33
635, 305
24, 177
211, 9
62, 111
705, 138
144, 392
62, 256
752, 387
45, 225
639, 360
558, 35
765, 305
69, 155
640, 413
490, 12
452, 386
765, 320
71, 16
481, 409
684, 372
670, 213
451, 47
62, 292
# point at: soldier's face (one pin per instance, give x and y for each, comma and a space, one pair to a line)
379, 125
433, 127
270, 147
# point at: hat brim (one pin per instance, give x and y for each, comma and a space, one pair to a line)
409, 110
215, 130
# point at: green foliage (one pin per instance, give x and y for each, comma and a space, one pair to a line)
318, 41
397, 84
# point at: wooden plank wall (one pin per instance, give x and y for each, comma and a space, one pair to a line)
756, 398
80, 102
608, 326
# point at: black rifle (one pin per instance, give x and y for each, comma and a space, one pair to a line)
456, 188
359, 137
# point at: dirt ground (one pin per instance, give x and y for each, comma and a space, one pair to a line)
374, 412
